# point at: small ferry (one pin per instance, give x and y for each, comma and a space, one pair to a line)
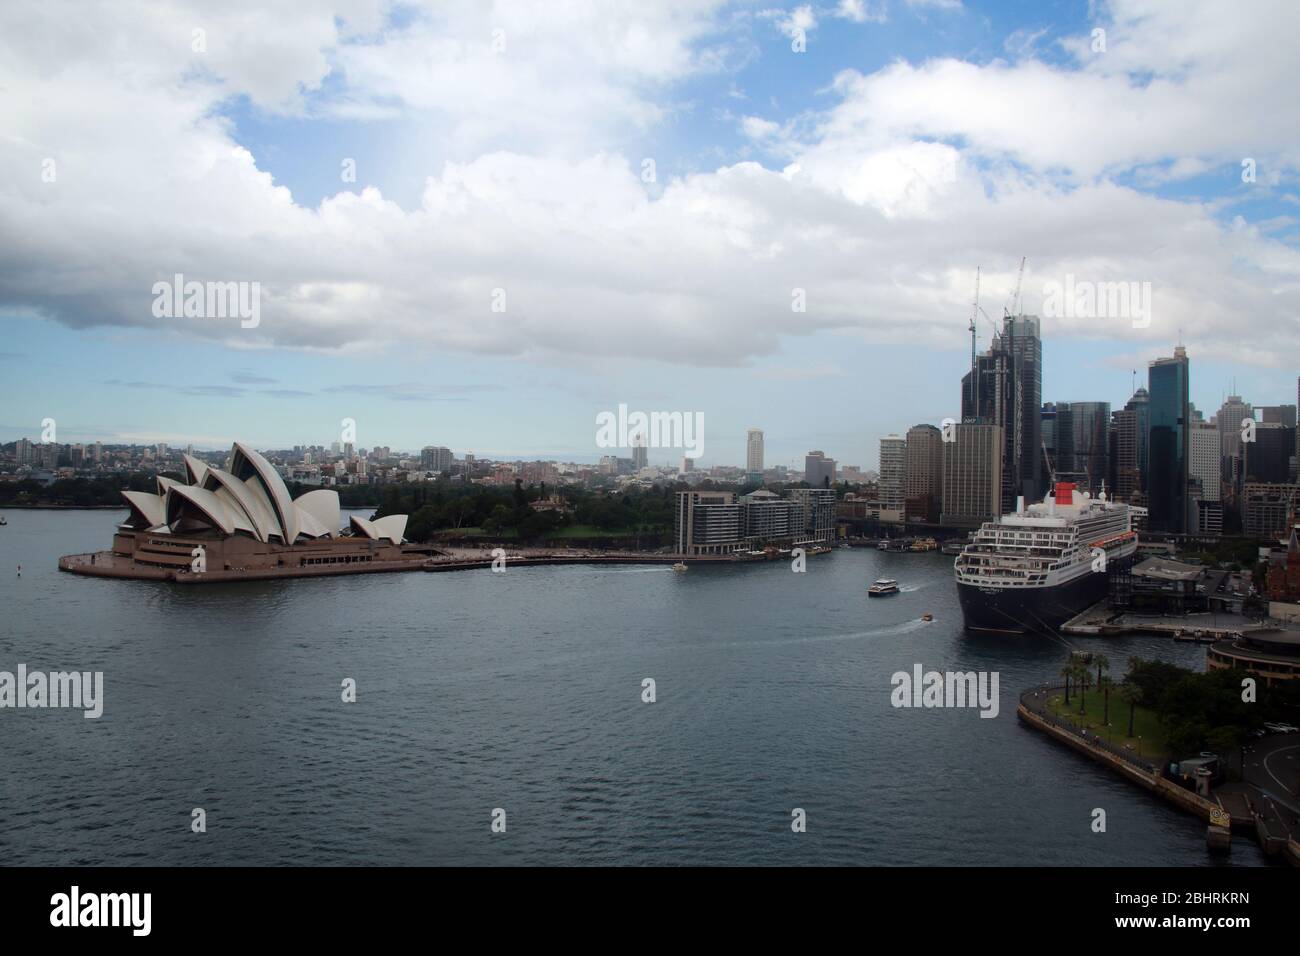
883, 588
679, 567
927, 616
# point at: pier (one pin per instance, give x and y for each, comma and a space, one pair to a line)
1203, 628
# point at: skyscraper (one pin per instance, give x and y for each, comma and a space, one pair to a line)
1090, 422
1008, 392
1232, 413
1140, 405
1167, 384
972, 475
923, 472
818, 470
1125, 473
1268, 458
640, 454
893, 464
1021, 335
754, 452
1205, 471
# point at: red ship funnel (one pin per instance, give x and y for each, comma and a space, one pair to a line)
1065, 492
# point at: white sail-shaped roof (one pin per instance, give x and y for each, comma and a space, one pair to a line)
194, 469
245, 463
189, 501
391, 527
318, 512
250, 497
147, 510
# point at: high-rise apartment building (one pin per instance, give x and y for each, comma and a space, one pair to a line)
893, 475
435, 458
754, 452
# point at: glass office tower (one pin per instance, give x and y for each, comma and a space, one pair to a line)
1169, 414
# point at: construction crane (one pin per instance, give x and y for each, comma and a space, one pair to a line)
1013, 307
974, 313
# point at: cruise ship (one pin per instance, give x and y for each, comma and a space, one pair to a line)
1032, 570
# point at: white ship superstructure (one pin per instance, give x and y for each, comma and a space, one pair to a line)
1036, 567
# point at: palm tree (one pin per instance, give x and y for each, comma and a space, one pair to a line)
1103, 664
1131, 693
1082, 673
1067, 672
1104, 684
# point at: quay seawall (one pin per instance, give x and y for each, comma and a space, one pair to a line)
470, 562
1131, 769
106, 564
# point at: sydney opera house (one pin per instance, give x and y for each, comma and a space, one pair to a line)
240, 523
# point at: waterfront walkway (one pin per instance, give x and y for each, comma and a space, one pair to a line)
1266, 802
1036, 700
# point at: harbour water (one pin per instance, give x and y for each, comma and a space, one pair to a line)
523, 691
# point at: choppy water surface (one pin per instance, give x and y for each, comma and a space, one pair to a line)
523, 691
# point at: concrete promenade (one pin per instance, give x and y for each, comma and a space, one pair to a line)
1255, 805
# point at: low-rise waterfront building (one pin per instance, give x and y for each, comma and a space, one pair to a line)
1271, 656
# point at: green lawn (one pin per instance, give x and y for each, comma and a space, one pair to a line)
1145, 723
477, 533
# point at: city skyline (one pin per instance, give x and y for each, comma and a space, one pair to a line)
796, 444
752, 213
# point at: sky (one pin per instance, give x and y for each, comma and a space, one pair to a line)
481, 224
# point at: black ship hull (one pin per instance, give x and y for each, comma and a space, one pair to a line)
1028, 610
